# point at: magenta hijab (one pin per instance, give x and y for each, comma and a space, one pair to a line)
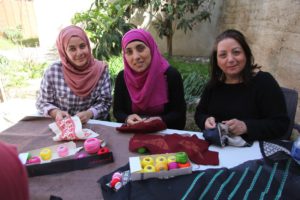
148, 89
81, 82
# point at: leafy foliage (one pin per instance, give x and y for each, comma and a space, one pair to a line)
173, 15
193, 87
17, 73
13, 34
195, 76
105, 22
115, 66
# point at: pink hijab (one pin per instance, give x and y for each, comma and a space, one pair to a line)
81, 82
148, 89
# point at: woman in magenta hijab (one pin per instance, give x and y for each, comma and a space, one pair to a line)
148, 88
13, 176
78, 84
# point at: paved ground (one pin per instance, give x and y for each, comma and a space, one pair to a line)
14, 109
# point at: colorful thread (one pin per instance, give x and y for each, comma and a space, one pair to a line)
91, 145
149, 168
46, 154
172, 165
34, 160
103, 150
147, 161
181, 157
62, 151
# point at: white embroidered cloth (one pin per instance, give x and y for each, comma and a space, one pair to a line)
70, 128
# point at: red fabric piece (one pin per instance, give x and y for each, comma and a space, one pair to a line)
13, 176
143, 127
197, 149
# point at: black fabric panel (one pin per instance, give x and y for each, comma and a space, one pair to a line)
208, 182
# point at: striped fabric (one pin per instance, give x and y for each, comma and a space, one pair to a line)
255, 179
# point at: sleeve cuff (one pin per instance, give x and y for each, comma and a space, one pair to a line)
95, 112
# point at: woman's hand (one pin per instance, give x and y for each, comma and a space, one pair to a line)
133, 119
236, 127
210, 123
151, 119
58, 114
84, 116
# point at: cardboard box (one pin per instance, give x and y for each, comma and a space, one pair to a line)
137, 174
69, 163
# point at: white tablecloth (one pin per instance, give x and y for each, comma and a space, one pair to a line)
229, 156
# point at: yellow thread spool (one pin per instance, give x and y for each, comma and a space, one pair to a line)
46, 154
147, 161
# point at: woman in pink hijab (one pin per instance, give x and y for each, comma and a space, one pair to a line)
148, 88
78, 84
13, 176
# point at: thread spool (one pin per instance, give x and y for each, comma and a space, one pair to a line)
161, 159
62, 151
147, 161
171, 159
184, 165
46, 154
142, 150
117, 175
161, 166
91, 145
181, 157
103, 150
114, 181
149, 168
34, 160
172, 165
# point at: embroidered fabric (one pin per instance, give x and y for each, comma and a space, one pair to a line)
143, 127
276, 149
70, 128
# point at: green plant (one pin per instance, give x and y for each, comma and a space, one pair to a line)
115, 66
195, 77
172, 15
193, 87
105, 22
30, 42
13, 34
17, 73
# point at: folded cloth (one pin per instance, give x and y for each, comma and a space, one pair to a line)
143, 127
197, 149
221, 136
70, 128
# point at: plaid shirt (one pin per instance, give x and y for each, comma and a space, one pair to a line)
55, 93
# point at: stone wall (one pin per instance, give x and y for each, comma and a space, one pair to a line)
273, 31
